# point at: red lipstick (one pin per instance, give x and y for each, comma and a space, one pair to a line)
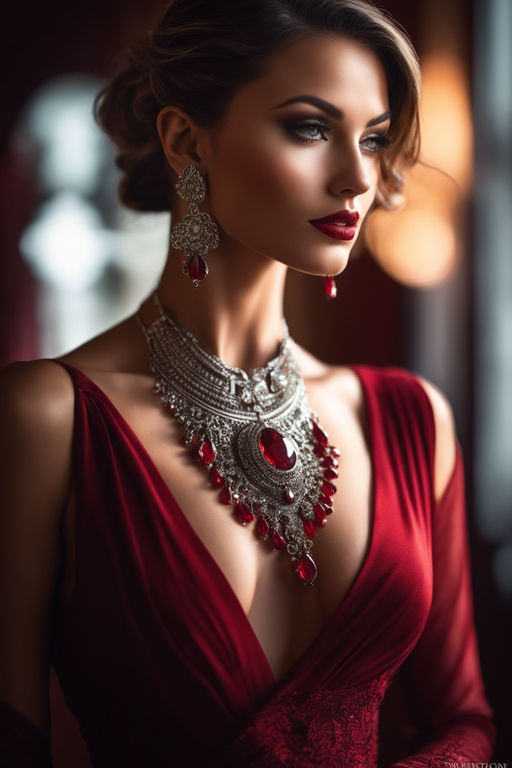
340, 225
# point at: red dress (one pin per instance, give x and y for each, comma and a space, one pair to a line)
160, 665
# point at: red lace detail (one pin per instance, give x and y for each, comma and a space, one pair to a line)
334, 729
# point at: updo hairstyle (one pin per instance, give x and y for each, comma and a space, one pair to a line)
203, 51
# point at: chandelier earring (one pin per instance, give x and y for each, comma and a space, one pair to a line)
197, 233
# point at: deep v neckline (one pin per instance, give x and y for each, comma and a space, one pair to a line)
224, 586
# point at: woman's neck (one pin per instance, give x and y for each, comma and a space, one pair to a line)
236, 312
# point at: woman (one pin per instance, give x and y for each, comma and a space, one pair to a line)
270, 128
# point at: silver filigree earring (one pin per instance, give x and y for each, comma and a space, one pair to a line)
198, 233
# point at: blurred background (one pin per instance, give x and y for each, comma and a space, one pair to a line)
429, 288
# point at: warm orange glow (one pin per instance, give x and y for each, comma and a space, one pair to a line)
417, 245
447, 135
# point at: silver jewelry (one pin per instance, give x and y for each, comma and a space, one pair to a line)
254, 432
197, 233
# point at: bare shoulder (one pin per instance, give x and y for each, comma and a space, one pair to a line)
36, 415
445, 455
36, 393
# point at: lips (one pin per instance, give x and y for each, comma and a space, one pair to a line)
340, 225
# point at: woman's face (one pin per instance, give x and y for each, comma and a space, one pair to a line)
298, 145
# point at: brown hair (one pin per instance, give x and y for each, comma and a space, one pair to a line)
203, 51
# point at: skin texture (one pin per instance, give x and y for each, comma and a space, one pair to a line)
268, 175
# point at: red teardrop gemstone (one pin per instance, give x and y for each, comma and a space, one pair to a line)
330, 288
225, 496
205, 452
277, 449
328, 488
169, 408
330, 474
321, 523
215, 477
277, 541
306, 569
243, 513
262, 527
319, 434
197, 268
319, 511
319, 450
325, 500
334, 451
309, 528
288, 496
330, 462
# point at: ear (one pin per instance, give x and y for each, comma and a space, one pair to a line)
179, 138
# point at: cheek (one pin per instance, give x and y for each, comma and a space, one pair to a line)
266, 180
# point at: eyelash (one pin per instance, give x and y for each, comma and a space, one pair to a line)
379, 140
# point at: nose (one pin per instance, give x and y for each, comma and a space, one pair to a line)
351, 177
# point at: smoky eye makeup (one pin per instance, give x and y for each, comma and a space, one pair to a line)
376, 142
307, 130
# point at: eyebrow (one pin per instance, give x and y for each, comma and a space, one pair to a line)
329, 108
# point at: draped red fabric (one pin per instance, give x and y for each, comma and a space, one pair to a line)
160, 665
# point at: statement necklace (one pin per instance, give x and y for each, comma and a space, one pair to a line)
255, 434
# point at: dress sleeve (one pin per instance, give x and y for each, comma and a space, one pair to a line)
442, 677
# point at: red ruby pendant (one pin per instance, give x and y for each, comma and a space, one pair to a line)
320, 512
206, 453
196, 268
309, 528
288, 496
262, 527
277, 449
306, 569
320, 435
330, 474
215, 477
328, 488
243, 513
277, 541
225, 496
330, 288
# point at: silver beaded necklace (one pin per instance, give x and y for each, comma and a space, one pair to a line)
255, 433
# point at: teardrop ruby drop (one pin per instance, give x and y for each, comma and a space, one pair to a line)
306, 569
325, 500
328, 488
197, 268
243, 513
319, 511
319, 450
330, 473
277, 449
225, 496
206, 452
277, 541
215, 477
334, 451
319, 434
309, 528
330, 462
330, 288
262, 527
288, 496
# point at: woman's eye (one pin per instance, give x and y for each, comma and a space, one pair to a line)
376, 142
308, 131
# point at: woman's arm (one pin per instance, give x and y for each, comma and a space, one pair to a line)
36, 419
442, 675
